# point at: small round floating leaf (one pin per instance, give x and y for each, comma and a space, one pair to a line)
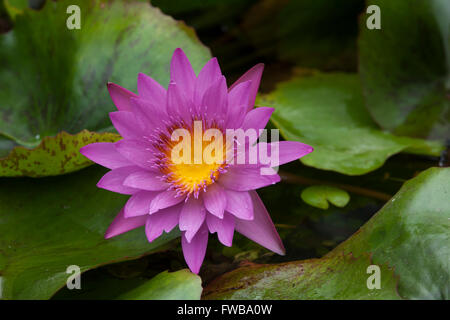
319, 196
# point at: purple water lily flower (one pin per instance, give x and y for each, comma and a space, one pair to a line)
200, 198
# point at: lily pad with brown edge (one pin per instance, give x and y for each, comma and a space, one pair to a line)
409, 235
53, 156
343, 277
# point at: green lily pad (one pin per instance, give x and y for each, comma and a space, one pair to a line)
410, 234
327, 112
343, 277
54, 155
179, 285
405, 67
51, 223
319, 196
54, 79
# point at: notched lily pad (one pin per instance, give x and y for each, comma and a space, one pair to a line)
327, 112
319, 196
54, 155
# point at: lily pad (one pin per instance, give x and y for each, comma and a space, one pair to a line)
179, 285
343, 277
327, 112
410, 234
319, 196
405, 67
54, 155
51, 223
54, 79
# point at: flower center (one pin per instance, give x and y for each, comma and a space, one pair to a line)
193, 157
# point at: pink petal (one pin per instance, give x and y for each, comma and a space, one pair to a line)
224, 228
215, 100
192, 217
237, 104
136, 151
246, 177
149, 115
254, 74
181, 72
105, 154
239, 94
145, 180
164, 220
287, 150
122, 224
164, 200
150, 89
208, 75
113, 180
177, 102
239, 204
257, 118
261, 228
215, 200
120, 96
194, 251
126, 124
139, 204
